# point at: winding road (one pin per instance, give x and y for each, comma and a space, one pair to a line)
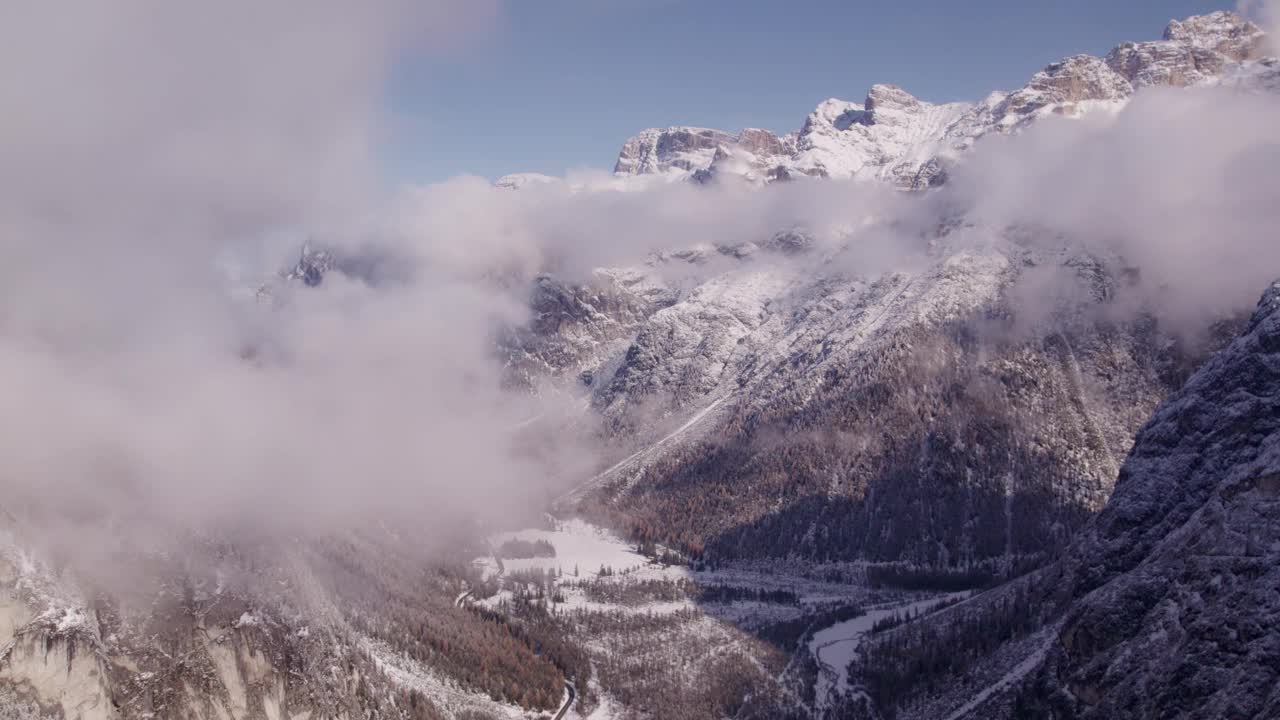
568, 701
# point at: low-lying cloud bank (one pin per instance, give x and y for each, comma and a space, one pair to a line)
146, 386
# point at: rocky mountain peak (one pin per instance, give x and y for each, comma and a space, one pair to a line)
890, 97
760, 142
832, 113
1081, 77
690, 150
1061, 88
890, 105
1223, 31
897, 137
658, 150
1192, 51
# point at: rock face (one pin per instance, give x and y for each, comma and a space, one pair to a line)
908, 142
1175, 584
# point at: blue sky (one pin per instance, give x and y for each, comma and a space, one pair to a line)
560, 84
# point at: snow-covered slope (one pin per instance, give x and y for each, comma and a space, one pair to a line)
897, 137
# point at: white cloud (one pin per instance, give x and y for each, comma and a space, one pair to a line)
1267, 14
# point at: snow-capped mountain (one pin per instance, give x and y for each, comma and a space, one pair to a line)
892, 135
